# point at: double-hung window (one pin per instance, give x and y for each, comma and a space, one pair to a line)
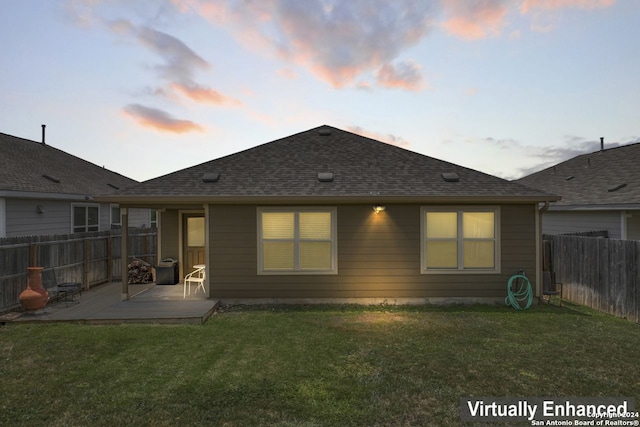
86, 217
460, 240
297, 240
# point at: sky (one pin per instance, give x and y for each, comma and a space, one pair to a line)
149, 87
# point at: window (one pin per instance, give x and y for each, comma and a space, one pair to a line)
297, 240
153, 218
460, 239
116, 222
85, 218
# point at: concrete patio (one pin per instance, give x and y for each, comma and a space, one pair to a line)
148, 303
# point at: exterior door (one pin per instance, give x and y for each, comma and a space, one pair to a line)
193, 241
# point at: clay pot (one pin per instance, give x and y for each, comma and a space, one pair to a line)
35, 296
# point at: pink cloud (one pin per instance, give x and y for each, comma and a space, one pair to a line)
474, 19
338, 41
204, 94
406, 75
159, 120
530, 5
387, 138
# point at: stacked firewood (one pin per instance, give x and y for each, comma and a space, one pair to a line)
140, 272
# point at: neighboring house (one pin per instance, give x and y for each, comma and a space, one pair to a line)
44, 190
302, 217
600, 191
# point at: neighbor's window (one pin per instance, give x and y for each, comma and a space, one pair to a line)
115, 216
153, 218
297, 240
460, 239
85, 218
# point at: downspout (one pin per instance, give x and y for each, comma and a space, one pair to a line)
539, 213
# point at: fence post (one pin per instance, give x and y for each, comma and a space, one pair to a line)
109, 258
85, 263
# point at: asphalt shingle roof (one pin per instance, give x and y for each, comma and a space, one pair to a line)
361, 167
23, 164
589, 178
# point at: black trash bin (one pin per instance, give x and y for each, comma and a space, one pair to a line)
167, 272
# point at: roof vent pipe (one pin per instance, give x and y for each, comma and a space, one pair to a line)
602, 143
43, 126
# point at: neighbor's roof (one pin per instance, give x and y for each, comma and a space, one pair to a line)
31, 169
607, 178
362, 168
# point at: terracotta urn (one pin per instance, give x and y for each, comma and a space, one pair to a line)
35, 296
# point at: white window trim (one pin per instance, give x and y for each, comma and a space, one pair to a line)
114, 221
297, 209
460, 269
85, 205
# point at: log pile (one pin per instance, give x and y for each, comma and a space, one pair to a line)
140, 272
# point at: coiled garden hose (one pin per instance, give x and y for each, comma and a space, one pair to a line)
521, 294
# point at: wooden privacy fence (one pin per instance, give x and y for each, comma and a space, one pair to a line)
600, 273
90, 258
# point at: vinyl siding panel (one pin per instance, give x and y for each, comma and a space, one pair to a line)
554, 222
169, 226
378, 257
23, 219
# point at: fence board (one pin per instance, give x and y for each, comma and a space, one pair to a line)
597, 272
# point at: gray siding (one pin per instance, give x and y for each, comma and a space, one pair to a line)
23, 219
378, 257
557, 222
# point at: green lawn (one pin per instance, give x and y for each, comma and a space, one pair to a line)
311, 366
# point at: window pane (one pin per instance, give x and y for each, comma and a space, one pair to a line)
478, 225
79, 217
277, 255
115, 215
195, 232
92, 216
277, 225
442, 254
442, 225
315, 255
479, 254
315, 225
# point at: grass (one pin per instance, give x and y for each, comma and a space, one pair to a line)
311, 366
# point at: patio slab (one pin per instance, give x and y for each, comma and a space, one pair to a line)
148, 303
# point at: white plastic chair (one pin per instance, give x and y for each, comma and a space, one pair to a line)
196, 277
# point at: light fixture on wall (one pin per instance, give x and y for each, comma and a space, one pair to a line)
378, 208
40, 209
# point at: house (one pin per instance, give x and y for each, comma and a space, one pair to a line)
600, 192
44, 190
328, 214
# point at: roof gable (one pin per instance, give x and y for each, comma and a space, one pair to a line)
605, 177
360, 167
29, 166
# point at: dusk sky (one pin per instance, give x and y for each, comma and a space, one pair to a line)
149, 87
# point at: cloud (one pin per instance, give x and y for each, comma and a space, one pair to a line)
180, 63
199, 93
406, 75
338, 41
160, 120
474, 19
387, 138
531, 5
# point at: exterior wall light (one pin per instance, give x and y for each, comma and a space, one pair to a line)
378, 208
